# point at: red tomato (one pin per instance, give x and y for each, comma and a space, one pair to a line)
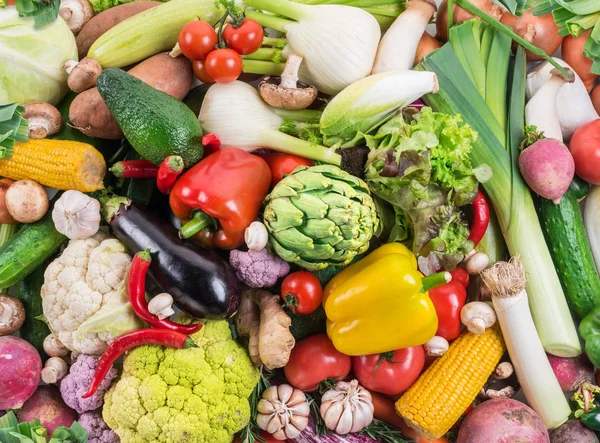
283, 164
200, 72
391, 373
585, 148
302, 292
197, 39
223, 65
313, 360
461, 276
246, 38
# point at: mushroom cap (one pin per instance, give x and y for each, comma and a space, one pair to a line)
287, 98
18, 314
44, 119
160, 302
76, 13
84, 74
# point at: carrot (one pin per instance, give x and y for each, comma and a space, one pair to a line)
385, 410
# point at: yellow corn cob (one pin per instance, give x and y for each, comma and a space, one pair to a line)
444, 391
59, 164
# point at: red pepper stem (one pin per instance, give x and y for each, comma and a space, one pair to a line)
435, 280
199, 221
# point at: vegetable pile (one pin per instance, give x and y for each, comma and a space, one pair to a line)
301, 221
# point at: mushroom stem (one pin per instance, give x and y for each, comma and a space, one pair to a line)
54, 370
289, 76
161, 306
69, 65
6, 314
66, 14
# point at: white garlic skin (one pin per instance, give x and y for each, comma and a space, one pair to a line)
76, 215
348, 407
283, 412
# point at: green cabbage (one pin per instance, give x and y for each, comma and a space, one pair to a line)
31, 60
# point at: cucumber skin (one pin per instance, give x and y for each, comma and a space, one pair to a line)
27, 249
28, 291
567, 241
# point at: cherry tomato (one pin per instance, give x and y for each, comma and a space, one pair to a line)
461, 276
585, 148
313, 360
390, 373
223, 65
246, 38
200, 72
197, 39
283, 164
302, 292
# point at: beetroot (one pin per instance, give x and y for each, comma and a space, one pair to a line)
571, 372
548, 168
48, 407
503, 420
573, 432
20, 371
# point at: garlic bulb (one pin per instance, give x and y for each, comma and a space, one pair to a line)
347, 407
76, 215
283, 412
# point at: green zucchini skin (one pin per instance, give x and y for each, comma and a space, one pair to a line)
567, 241
28, 249
28, 291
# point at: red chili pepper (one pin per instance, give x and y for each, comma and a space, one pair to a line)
147, 336
481, 218
461, 276
211, 143
228, 187
136, 287
169, 170
134, 169
448, 300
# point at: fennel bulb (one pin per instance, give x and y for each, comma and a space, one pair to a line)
368, 103
338, 42
237, 114
31, 60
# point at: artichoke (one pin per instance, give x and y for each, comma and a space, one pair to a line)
320, 216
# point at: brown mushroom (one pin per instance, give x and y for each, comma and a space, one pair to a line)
287, 92
76, 13
26, 201
82, 75
44, 119
12, 314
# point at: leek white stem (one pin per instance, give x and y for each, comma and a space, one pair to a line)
398, 47
542, 390
574, 105
541, 111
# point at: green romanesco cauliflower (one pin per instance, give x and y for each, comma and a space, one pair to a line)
183, 395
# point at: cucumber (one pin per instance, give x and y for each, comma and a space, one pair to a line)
156, 124
565, 235
28, 249
580, 187
28, 291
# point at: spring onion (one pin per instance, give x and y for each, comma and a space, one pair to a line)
506, 281
237, 114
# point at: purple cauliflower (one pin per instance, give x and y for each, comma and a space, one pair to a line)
78, 381
98, 431
258, 269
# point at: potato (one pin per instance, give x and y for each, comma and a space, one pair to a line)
90, 115
101, 23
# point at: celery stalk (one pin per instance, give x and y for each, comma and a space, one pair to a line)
509, 195
262, 67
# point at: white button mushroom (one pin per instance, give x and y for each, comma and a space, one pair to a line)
76, 13
53, 347
477, 263
477, 316
161, 306
436, 347
54, 370
43, 118
256, 236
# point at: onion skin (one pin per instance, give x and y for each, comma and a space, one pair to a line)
460, 15
572, 53
596, 98
427, 44
546, 35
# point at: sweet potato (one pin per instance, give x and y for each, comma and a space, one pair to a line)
101, 23
90, 115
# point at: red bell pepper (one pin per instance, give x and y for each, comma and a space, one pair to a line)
448, 300
224, 190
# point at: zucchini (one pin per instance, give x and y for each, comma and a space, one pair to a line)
28, 290
27, 249
565, 235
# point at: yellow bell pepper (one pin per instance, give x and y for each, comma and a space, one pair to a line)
378, 304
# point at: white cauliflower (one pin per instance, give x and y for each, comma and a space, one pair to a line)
88, 281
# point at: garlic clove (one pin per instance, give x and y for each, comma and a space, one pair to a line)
265, 407
262, 420
300, 422
291, 431
297, 397
280, 435
284, 393
300, 409
274, 424
346, 421
271, 393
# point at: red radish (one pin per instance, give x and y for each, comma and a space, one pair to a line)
571, 372
503, 420
49, 408
541, 30
548, 168
20, 371
573, 432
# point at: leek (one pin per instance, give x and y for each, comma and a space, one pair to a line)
509, 195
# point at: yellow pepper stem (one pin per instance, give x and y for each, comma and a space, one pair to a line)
435, 280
